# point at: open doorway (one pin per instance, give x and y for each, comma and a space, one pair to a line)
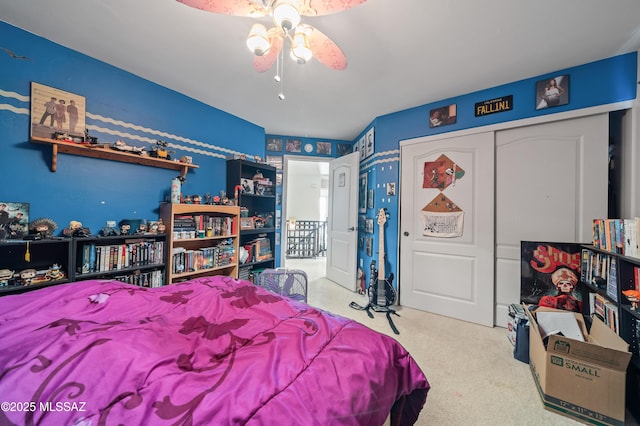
304, 212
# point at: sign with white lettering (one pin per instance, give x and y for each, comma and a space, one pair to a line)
492, 106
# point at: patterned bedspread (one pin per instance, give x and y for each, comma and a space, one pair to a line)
212, 351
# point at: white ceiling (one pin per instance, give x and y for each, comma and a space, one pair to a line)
401, 53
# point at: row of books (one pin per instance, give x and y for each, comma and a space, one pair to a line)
103, 258
617, 235
184, 260
151, 279
601, 271
605, 310
218, 225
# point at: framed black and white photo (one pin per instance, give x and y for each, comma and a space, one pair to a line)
370, 199
368, 225
369, 249
391, 188
552, 92
362, 194
274, 144
247, 186
369, 143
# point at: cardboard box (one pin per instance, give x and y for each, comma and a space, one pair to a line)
581, 380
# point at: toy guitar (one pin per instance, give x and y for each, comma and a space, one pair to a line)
382, 293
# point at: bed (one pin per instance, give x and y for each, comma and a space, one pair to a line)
210, 351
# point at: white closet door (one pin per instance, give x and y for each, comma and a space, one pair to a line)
449, 275
551, 181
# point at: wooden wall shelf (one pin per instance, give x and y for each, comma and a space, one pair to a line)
109, 154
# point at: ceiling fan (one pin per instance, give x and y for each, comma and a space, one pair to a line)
306, 41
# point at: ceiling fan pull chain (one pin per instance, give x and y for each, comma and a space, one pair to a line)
281, 94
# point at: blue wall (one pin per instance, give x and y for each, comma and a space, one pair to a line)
119, 106
597, 83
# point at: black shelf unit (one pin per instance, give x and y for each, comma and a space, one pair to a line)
627, 272
42, 255
138, 259
69, 254
257, 204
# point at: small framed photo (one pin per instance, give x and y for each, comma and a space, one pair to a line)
391, 188
368, 225
294, 145
323, 148
369, 243
14, 220
552, 92
343, 149
442, 116
274, 144
370, 199
247, 185
246, 223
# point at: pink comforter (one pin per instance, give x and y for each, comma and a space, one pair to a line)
212, 351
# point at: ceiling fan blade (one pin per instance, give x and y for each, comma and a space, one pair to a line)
326, 51
264, 62
228, 7
325, 7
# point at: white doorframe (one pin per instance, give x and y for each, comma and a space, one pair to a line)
285, 201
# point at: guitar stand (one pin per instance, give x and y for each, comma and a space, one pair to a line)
371, 307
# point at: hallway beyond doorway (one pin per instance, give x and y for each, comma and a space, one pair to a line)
314, 268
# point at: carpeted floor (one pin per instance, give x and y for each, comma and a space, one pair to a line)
474, 378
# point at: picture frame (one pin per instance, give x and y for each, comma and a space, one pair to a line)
247, 223
343, 149
14, 220
323, 148
362, 193
369, 142
442, 116
369, 246
368, 225
56, 111
391, 188
294, 145
552, 92
370, 199
273, 144
247, 185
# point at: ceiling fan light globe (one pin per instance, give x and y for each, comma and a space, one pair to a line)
301, 48
286, 14
258, 41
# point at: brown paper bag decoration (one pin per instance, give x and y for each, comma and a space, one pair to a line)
441, 173
442, 218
